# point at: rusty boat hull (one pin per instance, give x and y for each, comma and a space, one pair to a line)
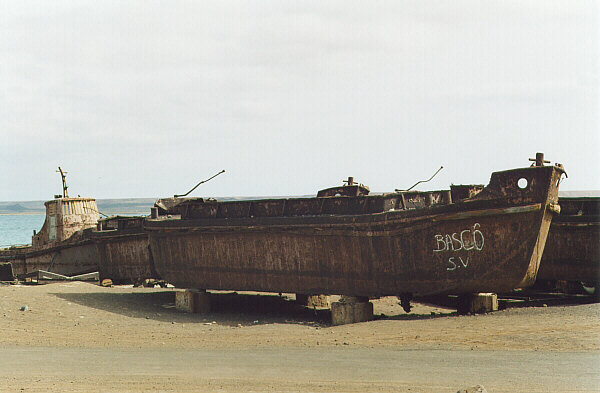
67, 258
420, 243
123, 250
572, 251
63, 245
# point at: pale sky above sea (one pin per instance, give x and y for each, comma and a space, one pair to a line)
145, 99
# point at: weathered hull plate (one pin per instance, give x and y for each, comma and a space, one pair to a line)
371, 259
125, 259
573, 249
67, 260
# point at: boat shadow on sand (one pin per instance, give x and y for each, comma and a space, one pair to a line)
519, 299
227, 308
233, 308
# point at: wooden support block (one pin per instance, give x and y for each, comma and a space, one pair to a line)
192, 301
353, 299
477, 303
184, 301
313, 301
318, 301
349, 311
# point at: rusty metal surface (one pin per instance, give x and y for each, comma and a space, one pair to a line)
350, 189
294, 207
68, 258
461, 192
377, 245
125, 259
572, 251
120, 251
123, 250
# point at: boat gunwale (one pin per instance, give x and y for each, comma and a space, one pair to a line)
382, 218
53, 248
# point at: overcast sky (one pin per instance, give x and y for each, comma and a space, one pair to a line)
145, 99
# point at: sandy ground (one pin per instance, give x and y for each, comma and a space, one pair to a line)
81, 337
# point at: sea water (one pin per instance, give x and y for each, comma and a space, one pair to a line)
18, 228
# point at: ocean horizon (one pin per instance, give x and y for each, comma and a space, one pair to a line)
17, 229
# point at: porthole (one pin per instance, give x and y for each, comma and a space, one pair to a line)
522, 183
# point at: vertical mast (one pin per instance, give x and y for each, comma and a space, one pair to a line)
64, 182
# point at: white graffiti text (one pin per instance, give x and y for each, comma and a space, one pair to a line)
468, 239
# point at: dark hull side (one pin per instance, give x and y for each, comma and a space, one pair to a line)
125, 258
572, 252
123, 250
492, 242
67, 258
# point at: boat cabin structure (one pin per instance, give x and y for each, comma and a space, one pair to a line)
64, 218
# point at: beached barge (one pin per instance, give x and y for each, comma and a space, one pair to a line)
572, 252
123, 250
345, 241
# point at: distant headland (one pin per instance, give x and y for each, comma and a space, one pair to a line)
106, 206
